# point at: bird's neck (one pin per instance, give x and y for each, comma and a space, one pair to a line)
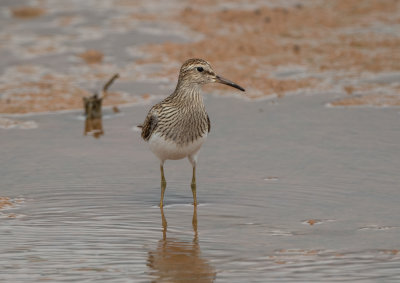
188, 93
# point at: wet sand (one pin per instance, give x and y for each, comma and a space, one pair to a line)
54, 54
308, 196
280, 47
53, 58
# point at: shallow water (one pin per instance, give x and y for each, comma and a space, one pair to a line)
288, 191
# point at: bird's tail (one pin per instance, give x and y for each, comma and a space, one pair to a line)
138, 128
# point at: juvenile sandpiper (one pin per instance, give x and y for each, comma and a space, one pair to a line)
177, 127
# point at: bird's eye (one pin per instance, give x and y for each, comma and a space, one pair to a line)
200, 69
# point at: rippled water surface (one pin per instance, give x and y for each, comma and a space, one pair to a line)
288, 191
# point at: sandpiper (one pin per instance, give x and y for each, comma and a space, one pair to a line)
177, 126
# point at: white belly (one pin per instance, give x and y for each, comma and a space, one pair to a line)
167, 149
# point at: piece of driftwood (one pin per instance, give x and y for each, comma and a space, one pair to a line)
93, 110
93, 104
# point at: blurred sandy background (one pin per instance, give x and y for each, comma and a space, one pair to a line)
55, 52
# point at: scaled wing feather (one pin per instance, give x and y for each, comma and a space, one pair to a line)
149, 125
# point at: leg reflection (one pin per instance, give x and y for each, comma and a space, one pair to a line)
164, 223
194, 225
178, 260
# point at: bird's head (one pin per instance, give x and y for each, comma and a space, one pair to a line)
199, 72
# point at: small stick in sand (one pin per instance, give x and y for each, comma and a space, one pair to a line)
107, 85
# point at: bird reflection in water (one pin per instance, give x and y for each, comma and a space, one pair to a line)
179, 261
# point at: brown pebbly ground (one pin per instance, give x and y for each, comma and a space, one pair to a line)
271, 48
92, 56
27, 12
335, 39
5, 202
371, 99
50, 94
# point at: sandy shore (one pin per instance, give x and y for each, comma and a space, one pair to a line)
57, 54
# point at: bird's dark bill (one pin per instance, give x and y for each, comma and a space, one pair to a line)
228, 82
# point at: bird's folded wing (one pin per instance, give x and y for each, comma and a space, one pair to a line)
209, 123
149, 125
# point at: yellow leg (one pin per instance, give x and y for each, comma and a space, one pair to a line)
163, 185
193, 186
